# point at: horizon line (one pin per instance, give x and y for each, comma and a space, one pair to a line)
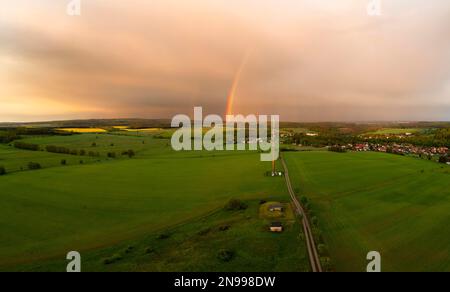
169, 119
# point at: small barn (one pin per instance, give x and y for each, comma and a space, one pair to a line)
276, 227
276, 207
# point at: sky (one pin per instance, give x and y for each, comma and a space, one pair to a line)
305, 60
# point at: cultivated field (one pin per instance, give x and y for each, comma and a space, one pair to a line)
83, 130
371, 201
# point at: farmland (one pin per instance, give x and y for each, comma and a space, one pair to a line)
161, 210
371, 201
83, 130
102, 207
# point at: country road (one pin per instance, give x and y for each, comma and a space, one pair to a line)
314, 258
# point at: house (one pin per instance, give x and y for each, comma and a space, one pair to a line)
276, 207
276, 227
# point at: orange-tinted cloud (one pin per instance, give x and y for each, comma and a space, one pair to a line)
311, 60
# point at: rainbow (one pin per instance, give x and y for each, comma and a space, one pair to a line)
232, 93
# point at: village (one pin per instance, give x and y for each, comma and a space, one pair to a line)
405, 149
399, 148
440, 153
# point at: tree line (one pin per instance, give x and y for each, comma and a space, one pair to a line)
9, 135
30, 165
26, 146
65, 150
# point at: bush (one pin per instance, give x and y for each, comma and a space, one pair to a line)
63, 162
225, 255
204, 232
93, 154
164, 235
34, 166
111, 155
129, 249
326, 264
443, 159
2, 170
314, 220
322, 249
82, 152
317, 233
130, 153
149, 250
224, 227
112, 259
304, 200
236, 205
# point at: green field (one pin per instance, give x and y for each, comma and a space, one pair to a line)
371, 201
102, 143
163, 210
101, 208
194, 246
17, 160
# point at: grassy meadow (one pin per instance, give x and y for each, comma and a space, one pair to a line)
197, 244
102, 208
372, 201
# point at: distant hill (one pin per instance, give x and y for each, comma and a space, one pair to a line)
132, 123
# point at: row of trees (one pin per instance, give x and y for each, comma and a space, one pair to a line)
30, 165
325, 260
61, 150
34, 166
26, 146
65, 150
11, 134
